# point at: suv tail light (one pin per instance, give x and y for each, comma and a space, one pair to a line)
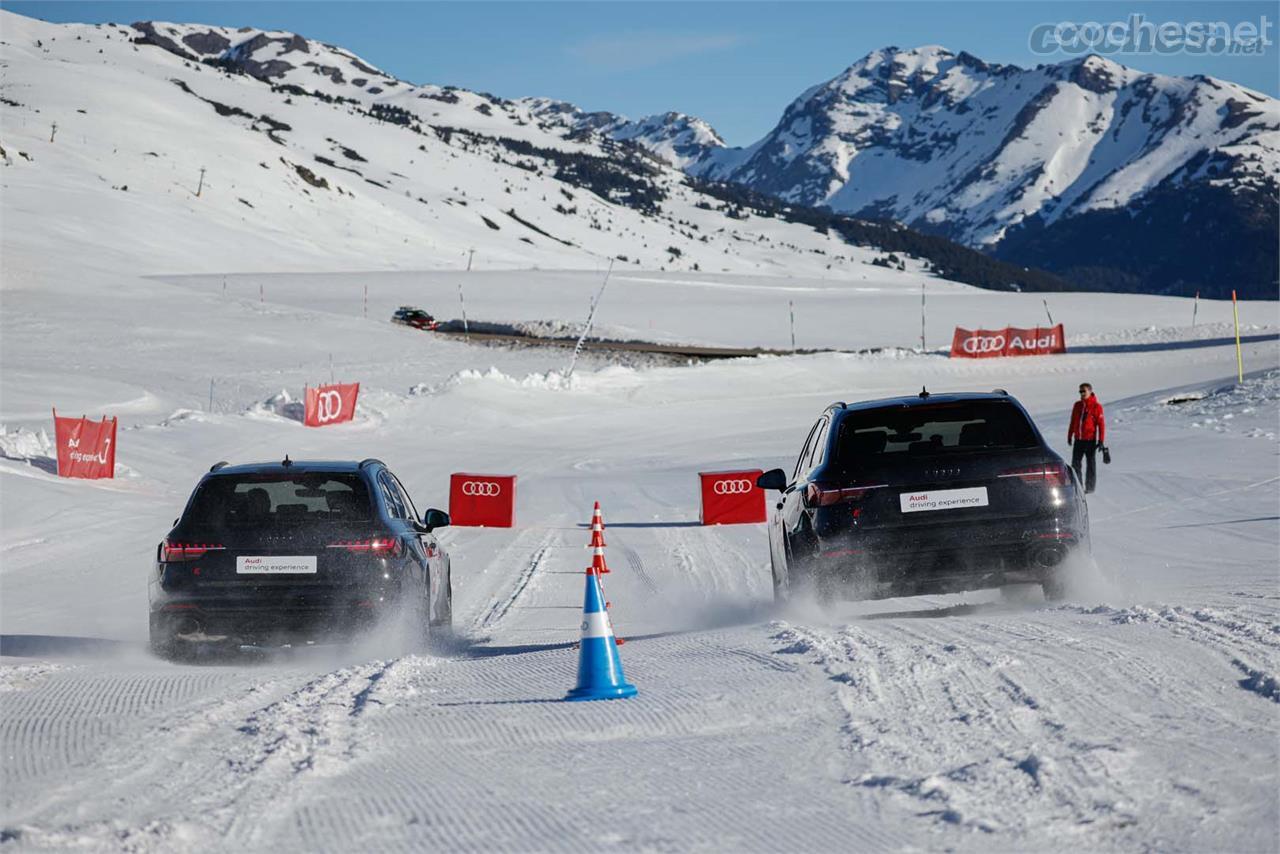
818, 495
380, 546
1049, 474
172, 552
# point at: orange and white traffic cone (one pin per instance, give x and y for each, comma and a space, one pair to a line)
598, 565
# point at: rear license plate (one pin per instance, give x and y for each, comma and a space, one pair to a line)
943, 499
276, 565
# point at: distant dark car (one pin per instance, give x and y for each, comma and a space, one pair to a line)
408, 315
289, 550
924, 494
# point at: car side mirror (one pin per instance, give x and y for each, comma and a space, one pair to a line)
773, 479
434, 518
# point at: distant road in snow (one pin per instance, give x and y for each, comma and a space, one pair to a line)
1172, 345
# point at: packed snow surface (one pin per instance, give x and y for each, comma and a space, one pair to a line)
1142, 712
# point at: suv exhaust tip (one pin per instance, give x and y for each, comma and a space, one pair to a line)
1048, 557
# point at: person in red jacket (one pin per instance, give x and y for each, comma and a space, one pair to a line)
1087, 433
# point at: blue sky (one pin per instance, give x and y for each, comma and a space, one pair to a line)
735, 64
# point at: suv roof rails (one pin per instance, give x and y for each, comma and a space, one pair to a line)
370, 461
999, 391
839, 404
218, 465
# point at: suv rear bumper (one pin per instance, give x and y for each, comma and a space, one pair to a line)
307, 612
944, 559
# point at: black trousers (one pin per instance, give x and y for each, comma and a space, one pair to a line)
1086, 450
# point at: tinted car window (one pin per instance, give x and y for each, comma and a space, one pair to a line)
820, 446
392, 496
257, 500
803, 460
412, 512
929, 430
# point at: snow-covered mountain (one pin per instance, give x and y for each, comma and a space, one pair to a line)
1113, 178
280, 152
1031, 163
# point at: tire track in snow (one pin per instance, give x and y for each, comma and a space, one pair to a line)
460, 743
716, 564
499, 607
637, 565
957, 737
959, 719
243, 758
1248, 643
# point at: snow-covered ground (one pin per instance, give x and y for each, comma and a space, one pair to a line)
1143, 713
1140, 714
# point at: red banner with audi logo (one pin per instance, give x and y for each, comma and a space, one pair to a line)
86, 448
731, 497
482, 500
1010, 341
331, 404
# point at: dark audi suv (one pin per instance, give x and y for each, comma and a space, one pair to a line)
291, 550
924, 494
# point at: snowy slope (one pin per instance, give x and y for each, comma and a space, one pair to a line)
321, 157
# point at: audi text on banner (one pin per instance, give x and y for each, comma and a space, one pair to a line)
86, 449
331, 404
731, 498
1010, 341
482, 500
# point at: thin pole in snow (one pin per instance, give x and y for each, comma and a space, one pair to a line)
53, 131
791, 308
466, 332
595, 303
923, 346
262, 294
224, 287
366, 302
1195, 309
200, 186
1046, 310
210, 394
1235, 311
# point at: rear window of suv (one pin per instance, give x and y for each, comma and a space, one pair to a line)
933, 429
258, 500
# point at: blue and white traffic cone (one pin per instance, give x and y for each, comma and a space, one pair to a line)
599, 665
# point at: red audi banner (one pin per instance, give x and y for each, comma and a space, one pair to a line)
331, 404
482, 500
85, 448
731, 497
1010, 341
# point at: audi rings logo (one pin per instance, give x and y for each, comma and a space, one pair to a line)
731, 487
984, 344
484, 488
328, 406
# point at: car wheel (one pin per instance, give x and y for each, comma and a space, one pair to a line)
1054, 586
805, 577
779, 586
162, 642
